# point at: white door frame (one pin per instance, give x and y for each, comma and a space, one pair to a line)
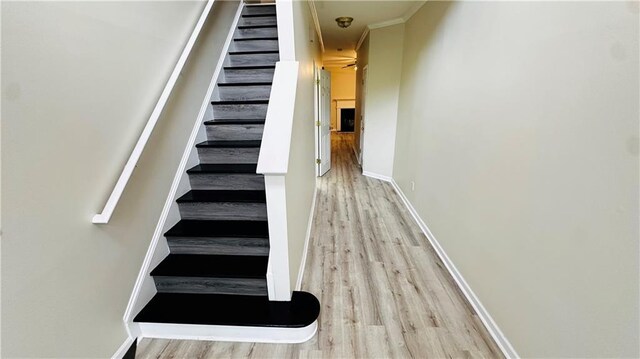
316, 113
323, 85
362, 112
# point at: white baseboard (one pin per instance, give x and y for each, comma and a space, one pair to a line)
123, 348
377, 176
225, 333
307, 239
485, 317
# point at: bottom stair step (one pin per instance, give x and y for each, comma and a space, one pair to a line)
230, 310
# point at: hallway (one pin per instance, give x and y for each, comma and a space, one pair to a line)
383, 290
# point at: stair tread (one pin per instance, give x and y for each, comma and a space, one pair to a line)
212, 266
257, 26
228, 84
237, 196
240, 102
249, 168
234, 122
235, 310
256, 38
213, 229
229, 144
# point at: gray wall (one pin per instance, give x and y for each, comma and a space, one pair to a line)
300, 179
79, 81
518, 123
381, 105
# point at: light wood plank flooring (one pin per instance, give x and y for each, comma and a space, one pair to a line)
384, 292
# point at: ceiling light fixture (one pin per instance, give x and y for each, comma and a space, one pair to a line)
344, 21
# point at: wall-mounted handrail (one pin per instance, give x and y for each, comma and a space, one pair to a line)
112, 202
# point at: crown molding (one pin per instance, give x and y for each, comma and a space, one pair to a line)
407, 15
316, 22
391, 22
362, 37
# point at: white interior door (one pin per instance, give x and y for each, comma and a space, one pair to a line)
324, 122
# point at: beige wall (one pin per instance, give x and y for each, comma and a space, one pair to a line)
343, 87
79, 81
363, 61
518, 123
381, 103
300, 179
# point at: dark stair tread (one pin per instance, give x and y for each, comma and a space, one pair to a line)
229, 144
217, 229
237, 196
253, 52
241, 102
260, 15
212, 266
256, 38
249, 168
231, 84
238, 121
257, 26
252, 67
236, 310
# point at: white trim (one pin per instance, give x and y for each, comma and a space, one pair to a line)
497, 335
407, 15
284, 19
307, 239
278, 276
316, 22
276, 136
228, 333
362, 37
123, 348
377, 176
127, 171
157, 234
391, 22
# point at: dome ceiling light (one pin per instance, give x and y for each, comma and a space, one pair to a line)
344, 21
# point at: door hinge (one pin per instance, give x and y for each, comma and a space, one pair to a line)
318, 123
318, 81
318, 161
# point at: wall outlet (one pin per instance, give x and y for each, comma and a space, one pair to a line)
413, 186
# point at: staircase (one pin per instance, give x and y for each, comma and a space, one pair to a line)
215, 273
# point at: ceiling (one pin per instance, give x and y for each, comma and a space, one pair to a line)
363, 12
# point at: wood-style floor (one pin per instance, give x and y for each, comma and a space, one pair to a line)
384, 292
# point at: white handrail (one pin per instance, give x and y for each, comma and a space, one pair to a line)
112, 202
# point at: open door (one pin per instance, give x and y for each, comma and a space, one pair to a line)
323, 124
